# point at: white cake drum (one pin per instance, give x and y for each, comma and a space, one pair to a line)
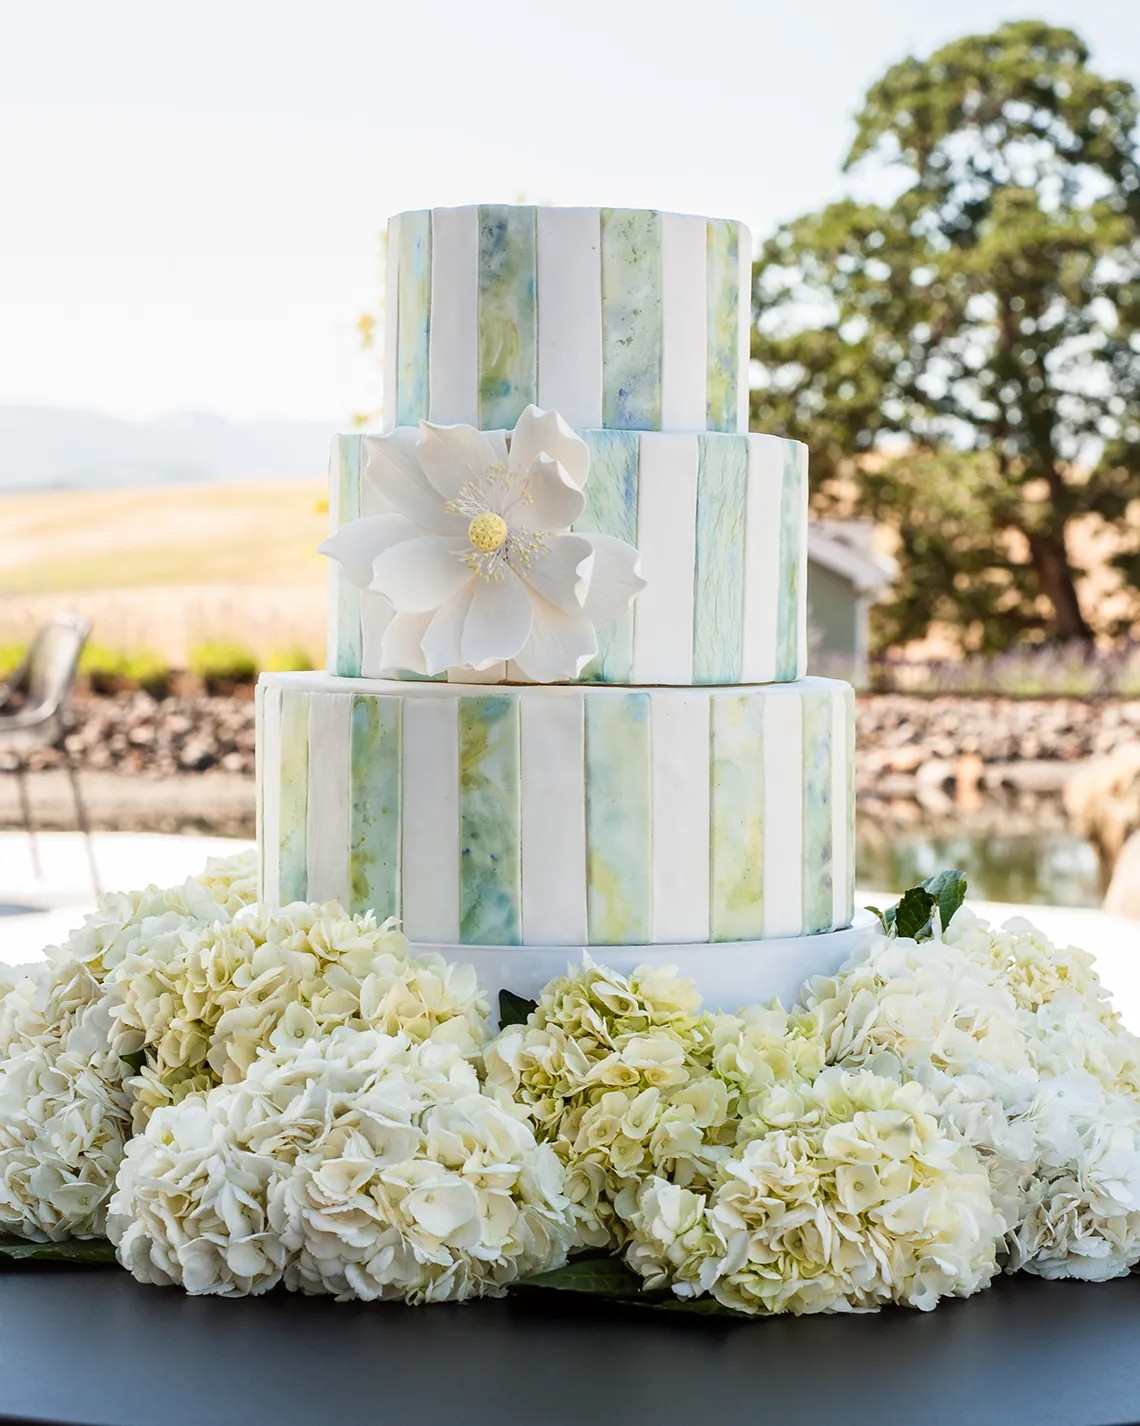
561, 815
623, 318
720, 523
729, 977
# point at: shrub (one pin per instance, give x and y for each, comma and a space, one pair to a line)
221, 666
289, 660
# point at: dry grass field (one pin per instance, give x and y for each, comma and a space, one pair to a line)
164, 568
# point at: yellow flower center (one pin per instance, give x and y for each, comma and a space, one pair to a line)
487, 532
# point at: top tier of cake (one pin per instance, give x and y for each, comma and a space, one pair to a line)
618, 318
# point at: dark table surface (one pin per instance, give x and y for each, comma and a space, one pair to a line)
98, 1349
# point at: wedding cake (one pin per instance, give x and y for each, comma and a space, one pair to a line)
566, 705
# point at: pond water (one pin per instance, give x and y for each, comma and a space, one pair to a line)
1038, 868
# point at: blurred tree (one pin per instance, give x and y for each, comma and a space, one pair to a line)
964, 361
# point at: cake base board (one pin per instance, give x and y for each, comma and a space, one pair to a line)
728, 974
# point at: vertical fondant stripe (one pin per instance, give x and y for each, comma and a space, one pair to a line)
681, 815
793, 516
718, 594
842, 852
429, 804
374, 817
801, 552
631, 319
744, 248
259, 814
666, 537
849, 801
761, 567
489, 830
414, 317
553, 804
684, 323
269, 778
344, 507
453, 385
507, 315
619, 846
818, 847
783, 814
612, 509
326, 827
391, 319
740, 827
294, 809
723, 325
570, 314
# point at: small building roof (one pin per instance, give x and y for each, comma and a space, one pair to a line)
846, 548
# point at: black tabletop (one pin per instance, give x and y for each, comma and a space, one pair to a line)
96, 1348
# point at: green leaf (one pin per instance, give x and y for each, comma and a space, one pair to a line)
949, 891
886, 918
912, 914
134, 1061
699, 1307
77, 1251
601, 1276
514, 1009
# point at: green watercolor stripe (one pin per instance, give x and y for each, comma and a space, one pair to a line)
817, 845
611, 509
508, 318
736, 894
349, 641
793, 494
631, 319
849, 791
374, 784
723, 324
718, 594
489, 820
414, 318
294, 797
618, 819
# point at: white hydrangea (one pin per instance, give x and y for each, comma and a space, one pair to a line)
359, 1164
1027, 963
231, 881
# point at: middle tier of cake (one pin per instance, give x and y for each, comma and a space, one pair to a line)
560, 815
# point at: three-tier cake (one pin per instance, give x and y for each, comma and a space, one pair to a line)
566, 705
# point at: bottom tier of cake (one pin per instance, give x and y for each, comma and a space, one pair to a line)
564, 815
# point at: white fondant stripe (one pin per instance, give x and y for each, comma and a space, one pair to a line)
569, 266
327, 835
430, 803
679, 749
744, 254
783, 813
334, 574
684, 322
800, 555
666, 538
453, 389
391, 321
761, 559
268, 772
375, 616
553, 803
259, 696
841, 851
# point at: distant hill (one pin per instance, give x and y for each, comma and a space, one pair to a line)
45, 448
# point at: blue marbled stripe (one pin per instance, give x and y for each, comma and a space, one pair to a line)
294, 797
631, 319
723, 324
611, 509
374, 816
818, 852
793, 498
349, 642
489, 820
413, 317
618, 819
736, 807
718, 591
849, 792
508, 317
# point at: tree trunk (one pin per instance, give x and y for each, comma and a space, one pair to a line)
1051, 563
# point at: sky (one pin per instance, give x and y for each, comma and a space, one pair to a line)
192, 192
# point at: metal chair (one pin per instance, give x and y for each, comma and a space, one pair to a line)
32, 717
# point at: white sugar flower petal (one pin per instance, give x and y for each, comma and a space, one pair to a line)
392, 468
357, 545
560, 644
615, 579
442, 642
550, 500
451, 456
562, 571
498, 622
545, 433
402, 645
421, 574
